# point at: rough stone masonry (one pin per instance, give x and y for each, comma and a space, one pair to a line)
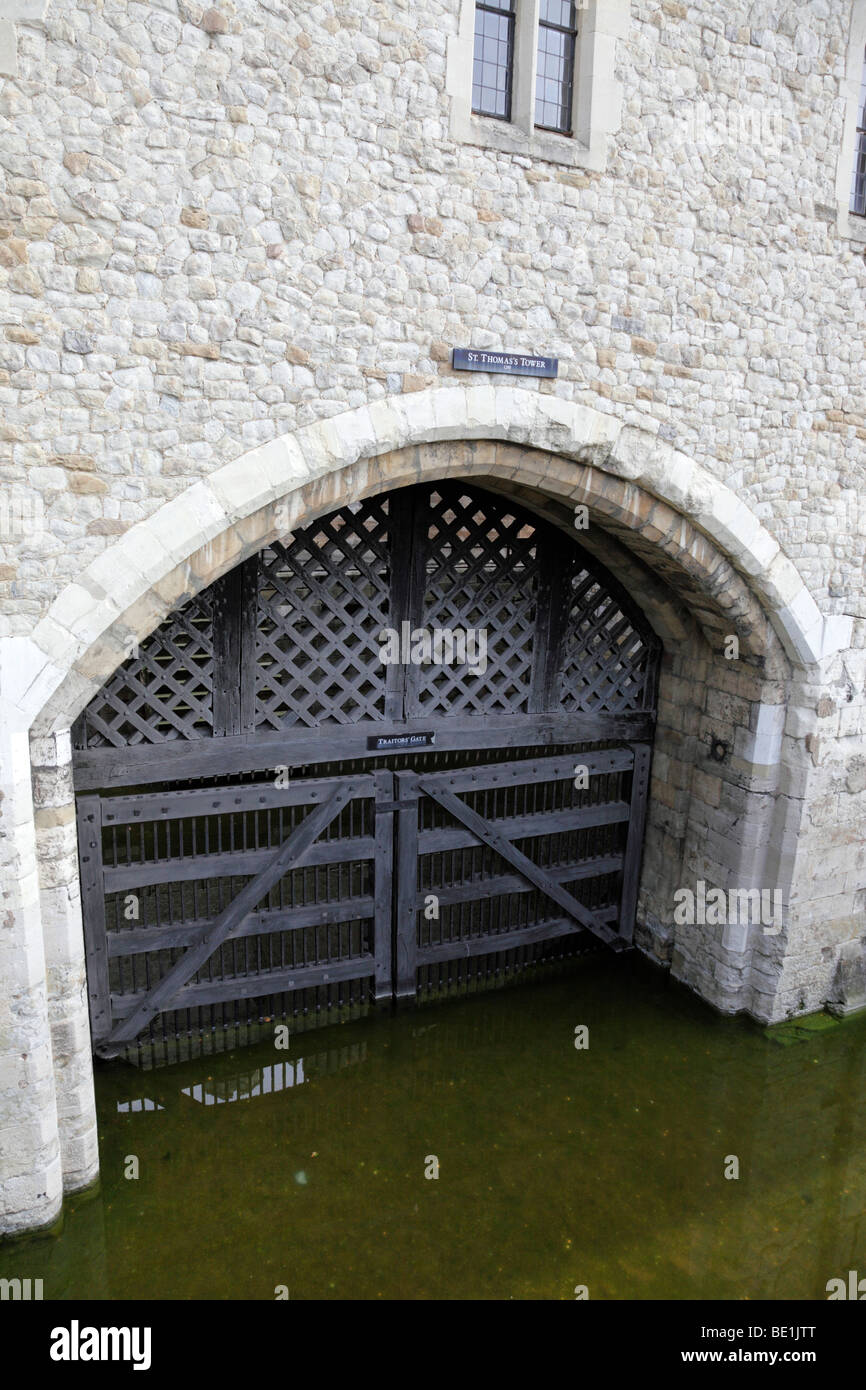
237, 247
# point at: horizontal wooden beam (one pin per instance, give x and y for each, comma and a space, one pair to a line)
455, 893
505, 941
228, 865
142, 939
221, 801
532, 770
522, 827
249, 986
104, 768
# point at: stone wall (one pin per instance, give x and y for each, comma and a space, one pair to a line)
219, 224
237, 246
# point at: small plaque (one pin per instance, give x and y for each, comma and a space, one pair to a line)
512, 363
397, 743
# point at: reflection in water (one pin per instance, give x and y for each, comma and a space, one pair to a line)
268, 1079
262, 1081
557, 1166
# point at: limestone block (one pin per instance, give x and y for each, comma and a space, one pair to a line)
837, 634
781, 582
142, 552
22, 665
848, 990
801, 627
640, 454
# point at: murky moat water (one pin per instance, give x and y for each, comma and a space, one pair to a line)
558, 1167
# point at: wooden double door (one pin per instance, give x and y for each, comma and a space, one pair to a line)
360, 885
275, 821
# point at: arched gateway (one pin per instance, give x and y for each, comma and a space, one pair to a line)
704, 566
407, 743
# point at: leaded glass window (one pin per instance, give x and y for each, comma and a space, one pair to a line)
554, 90
858, 182
493, 65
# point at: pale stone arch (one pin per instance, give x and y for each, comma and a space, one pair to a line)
189, 541
668, 517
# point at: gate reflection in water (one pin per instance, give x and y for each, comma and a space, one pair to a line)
558, 1167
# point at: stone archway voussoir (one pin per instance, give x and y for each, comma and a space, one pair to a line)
117, 582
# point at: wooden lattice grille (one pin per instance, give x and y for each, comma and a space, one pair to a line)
323, 600
293, 638
608, 665
481, 571
164, 691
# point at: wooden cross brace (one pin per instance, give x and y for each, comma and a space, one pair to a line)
286, 857
486, 833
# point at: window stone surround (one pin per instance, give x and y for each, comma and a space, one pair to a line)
597, 110
12, 12
851, 225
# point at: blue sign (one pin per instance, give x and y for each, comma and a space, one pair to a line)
513, 363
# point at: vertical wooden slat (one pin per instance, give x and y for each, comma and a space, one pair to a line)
556, 561
415, 539
248, 599
634, 843
400, 535
383, 875
233, 601
89, 812
225, 599
406, 915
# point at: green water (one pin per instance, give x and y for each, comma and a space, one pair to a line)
558, 1167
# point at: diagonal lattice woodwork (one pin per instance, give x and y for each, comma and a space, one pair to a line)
293, 638
256, 899
482, 568
323, 600
607, 664
164, 691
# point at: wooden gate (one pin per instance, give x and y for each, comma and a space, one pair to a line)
493, 858
274, 820
201, 898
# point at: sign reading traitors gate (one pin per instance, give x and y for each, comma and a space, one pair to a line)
382, 743
512, 363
